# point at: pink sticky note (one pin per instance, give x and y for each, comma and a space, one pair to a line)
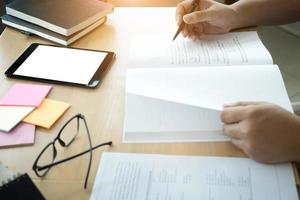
23, 134
25, 95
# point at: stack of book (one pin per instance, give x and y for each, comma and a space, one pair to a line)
61, 21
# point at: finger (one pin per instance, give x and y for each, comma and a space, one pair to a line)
241, 103
193, 38
198, 16
201, 36
197, 35
184, 32
198, 30
233, 131
189, 31
209, 29
238, 143
233, 114
181, 10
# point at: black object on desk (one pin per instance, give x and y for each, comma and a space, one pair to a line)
61, 65
20, 188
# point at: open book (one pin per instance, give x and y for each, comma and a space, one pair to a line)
177, 95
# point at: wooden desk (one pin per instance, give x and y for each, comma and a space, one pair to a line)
103, 106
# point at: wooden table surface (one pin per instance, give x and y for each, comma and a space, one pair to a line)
103, 106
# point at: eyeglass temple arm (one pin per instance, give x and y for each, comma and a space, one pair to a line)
72, 157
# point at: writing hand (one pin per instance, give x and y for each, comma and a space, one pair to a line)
209, 18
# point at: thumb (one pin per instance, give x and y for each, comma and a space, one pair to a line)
241, 103
198, 16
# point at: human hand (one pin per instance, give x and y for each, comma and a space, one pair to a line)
210, 17
265, 132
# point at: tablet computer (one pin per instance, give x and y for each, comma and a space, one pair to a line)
62, 65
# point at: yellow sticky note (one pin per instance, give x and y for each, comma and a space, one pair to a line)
47, 113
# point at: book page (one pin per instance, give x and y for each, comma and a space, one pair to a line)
157, 177
184, 104
210, 87
237, 48
154, 120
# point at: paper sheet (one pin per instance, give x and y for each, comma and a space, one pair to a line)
153, 177
47, 113
210, 87
155, 120
238, 48
10, 116
22, 134
188, 101
25, 95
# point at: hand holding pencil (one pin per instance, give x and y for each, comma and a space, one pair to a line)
193, 7
197, 18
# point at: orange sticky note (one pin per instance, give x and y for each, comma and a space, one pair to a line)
47, 113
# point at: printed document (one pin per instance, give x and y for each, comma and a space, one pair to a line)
124, 176
237, 48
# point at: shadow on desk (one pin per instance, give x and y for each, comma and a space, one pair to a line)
2, 11
1, 28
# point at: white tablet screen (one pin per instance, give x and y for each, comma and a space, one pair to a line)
61, 64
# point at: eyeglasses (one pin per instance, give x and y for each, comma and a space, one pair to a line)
46, 159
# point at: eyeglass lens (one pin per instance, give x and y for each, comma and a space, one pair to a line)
47, 157
70, 131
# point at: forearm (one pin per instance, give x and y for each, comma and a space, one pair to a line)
296, 150
266, 12
297, 157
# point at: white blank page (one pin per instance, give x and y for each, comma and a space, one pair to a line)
61, 64
210, 87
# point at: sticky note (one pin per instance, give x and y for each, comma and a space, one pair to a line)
25, 95
47, 113
23, 134
10, 116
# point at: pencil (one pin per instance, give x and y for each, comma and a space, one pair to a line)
195, 4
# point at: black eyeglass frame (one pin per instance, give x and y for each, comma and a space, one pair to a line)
58, 138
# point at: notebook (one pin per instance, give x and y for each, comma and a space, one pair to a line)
17, 186
63, 17
30, 28
176, 93
129, 176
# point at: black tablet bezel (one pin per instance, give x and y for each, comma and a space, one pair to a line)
94, 82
